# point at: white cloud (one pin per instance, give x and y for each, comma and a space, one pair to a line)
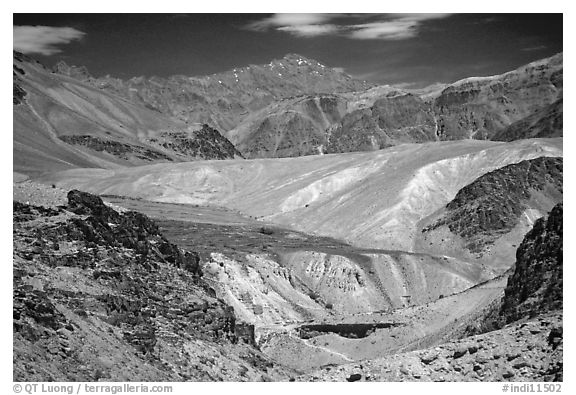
386, 27
392, 30
536, 48
43, 39
309, 30
289, 20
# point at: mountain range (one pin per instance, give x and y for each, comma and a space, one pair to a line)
286, 222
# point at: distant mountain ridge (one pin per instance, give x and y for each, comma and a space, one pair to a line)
62, 123
297, 106
523, 103
224, 99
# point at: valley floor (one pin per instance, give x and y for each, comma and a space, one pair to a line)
322, 309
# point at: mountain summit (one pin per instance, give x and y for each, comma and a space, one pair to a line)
224, 99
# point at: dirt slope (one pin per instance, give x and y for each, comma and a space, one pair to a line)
370, 199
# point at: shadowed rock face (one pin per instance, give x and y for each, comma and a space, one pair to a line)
547, 122
205, 143
105, 226
492, 205
390, 121
120, 150
536, 285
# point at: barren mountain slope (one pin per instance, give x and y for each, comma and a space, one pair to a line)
488, 218
61, 123
297, 106
224, 99
546, 122
400, 118
291, 127
301, 125
370, 199
101, 294
529, 348
480, 107
523, 103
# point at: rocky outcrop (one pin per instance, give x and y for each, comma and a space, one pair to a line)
204, 143
536, 285
79, 73
101, 294
119, 150
106, 227
493, 205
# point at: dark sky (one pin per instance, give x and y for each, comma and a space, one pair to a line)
407, 49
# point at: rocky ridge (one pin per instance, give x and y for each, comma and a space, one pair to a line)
102, 295
204, 143
536, 286
493, 205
